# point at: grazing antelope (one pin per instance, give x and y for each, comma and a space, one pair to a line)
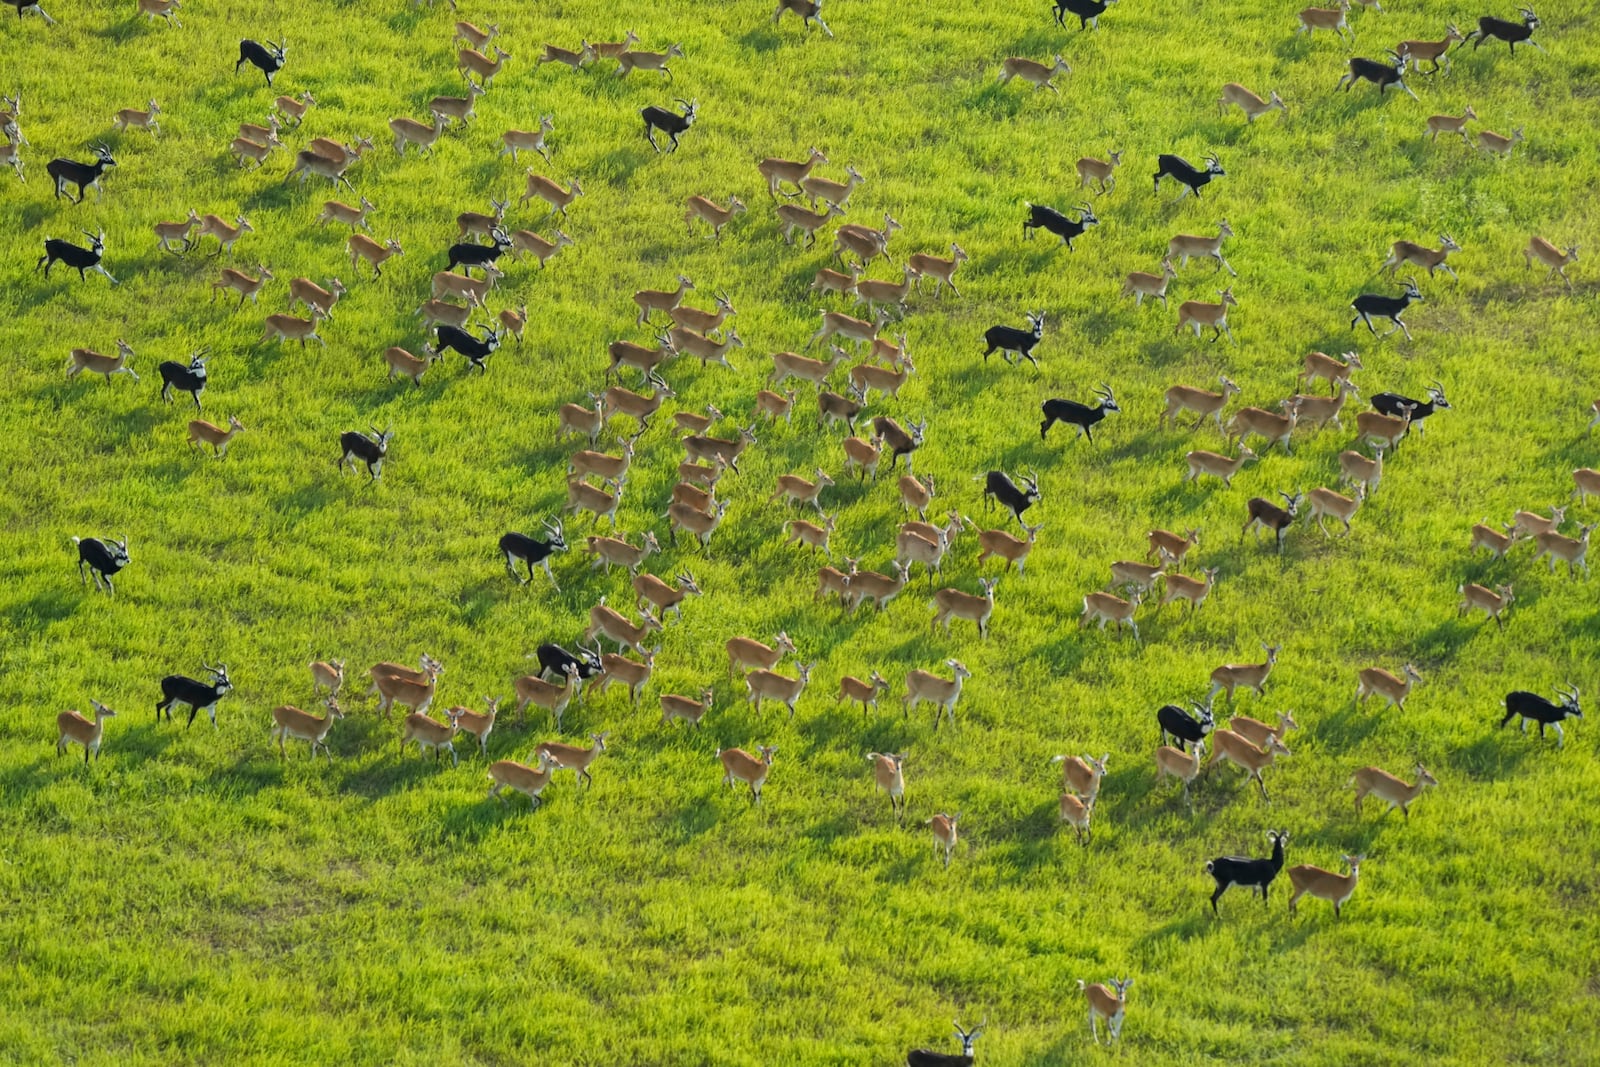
410, 131
1325, 503
1202, 403
402, 362
160, 9
689, 710
1432, 51
363, 247
292, 328
520, 778
1107, 608
954, 604
777, 171
1326, 18
1251, 104
290, 723
1213, 463
87, 359
581, 496
793, 217
609, 551
888, 769
751, 654
941, 693
573, 758
1375, 681
1409, 252
739, 766
573, 59
1170, 548
1249, 675
1232, 748
203, 432
470, 61
873, 586
630, 60
1184, 766
548, 190
1485, 600
460, 108
923, 265
1082, 774
142, 120
1099, 170
1035, 73
1550, 256
611, 623
706, 210
998, 544
429, 733
1386, 787
1489, 141
1140, 284
945, 835
74, 729
1199, 314
853, 690
1325, 884
1496, 541
542, 249
327, 675
1108, 1005
1570, 550
619, 669
1384, 432
531, 689
664, 300
663, 597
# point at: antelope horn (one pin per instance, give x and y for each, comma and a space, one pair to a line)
684, 102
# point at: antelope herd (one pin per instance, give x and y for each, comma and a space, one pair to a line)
596, 480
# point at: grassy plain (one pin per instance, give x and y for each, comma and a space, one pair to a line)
192, 899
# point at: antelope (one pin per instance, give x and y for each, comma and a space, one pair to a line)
763, 684
480, 224
244, 148
1251, 104
700, 524
702, 448
689, 710
873, 586
829, 191
1383, 431
550, 192
402, 362
1388, 788
143, 120
1320, 365
1198, 314
520, 778
339, 211
327, 675
1275, 428
693, 422
475, 36
853, 690
473, 290
832, 407
778, 171
739, 766
318, 300
1249, 675
1324, 884
1184, 766
1075, 813
954, 604
573, 758
787, 365
214, 226
793, 489
292, 328
865, 377
613, 49
1432, 51
1232, 748
242, 283
630, 60
258, 133
1105, 1004
542, 249
1169, 547
611, 623
1319, 410
87, 359
460, 108
292, 723
623, 671
1570, 550
1140, 577
363, 247
201, 431
514, 320
580, 421
1409, 252
160, 9
611, 550
9, 156
528, 140
1194, 590
1187, 244
851, 329
1375, 681
295, 107
864, 243
998, 544
1529, 524
945, 836
1438, 124
923, 265
308, 162
1140, 284
575, 60
1203, 462
531, 689
942, 694
703, 348
793, 217
664, 300
407, 691
410, 131
1099, 170
916, 495
1489, 141
1496, 541
874, 292
581, 496
619, 401
776, 406
608, 467
751, 654
419, 674
831, 580
74, 729
1201, 403
1485, 600
1082, 774
470, 61
1325, 18
706, 210
1108, 608
1550, 256
829, 280
1326, 503
663, 597
640, 358
912, 547
1033, 72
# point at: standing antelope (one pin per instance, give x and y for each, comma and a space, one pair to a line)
203, 432
1432, 51
1169, 547
1375, 681
1485, 600
1550, 256
1249, 675
1199, 314
429, 733
998, 544
740, 766
689, 710
574, 758
407, 690
1570, 550
942, 271
1496, 541
663, 597
619, 669
531, 689
1076, 813
1324, 884
1107, 1005
888, 769
854, 691
74, 729
954, 604
1107, 608
1140, 284
327, 675
1390, 789
1202, 403
1489, 141
1325, 503
749, 653
1251, 104
943, 694
764, 684
363, 247
1325, 18
1232, 748
1099, 170
520, 778
1184, 766
290, 723
611, 623
945, 835
777, 171
1082, 774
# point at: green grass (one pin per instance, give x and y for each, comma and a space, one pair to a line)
191, 898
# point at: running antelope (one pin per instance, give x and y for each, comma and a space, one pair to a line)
1389, 789
863, 242
613, 551
793, 489
613, 49
295, 107
1438, 124
528, 140
1256, 732
327, 674
1530, 524
916, 495
853, 690
1232, 748
74, 729
1199, 314
1485, 600
612, 624
751, 654
688, 709
829, 280
161, 9
706, 210
475, 36
293, 328
1496, 541
460, 108
640, 358
1185, 245
1184, 766
954, 604
470, 61
619, 401
688, 342
429, 733
1318, 411
663, 300
521, 778
1251, 104
998, 544
574, 758
1215, 464
1103, 171
1107, 608
1082, 774
244, 148
1275, 428
168, 232
786, 365
1325, 884
1489, 141
410, 131
658, 594
573, 59
581, 421
363, 247
620, 670
739, 766
318, 300
207, 433
1356, 469
1140, 284
1325, 504
401, 362
694, 422
876, 291
1585, 480
1432, 51
1384, 431
339, 211
1326, 18
1410, 253
699, 524
1375, 681
940, 692
1076, 814
863, 456
777, 171
942, 271
1194, 590
1320, 365
1550, 256
1202, 403
1569, 550
608, 467
87, 359
542, 249
945, 836
1170, 548
1128, 574
1249, 675
226, 235
793, 217
630, 60
888, 770
141, 120
775, 405
829, 191
700, 448
1035, 73
581, 496
531, 689
550, 192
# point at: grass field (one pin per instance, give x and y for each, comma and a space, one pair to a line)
190, 898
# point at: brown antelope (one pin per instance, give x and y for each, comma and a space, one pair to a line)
1103, 171
1215, 464
419, 674
514, 321
1032, 71
434, 312
1318, 411
460, 108
793, 489
402, 362
998, 544
1199, 314
941, 693
1326, 18
541, 249
762, 684
1128, 574
1550, 256
1529, 524
1383, 431
1184, 766
9, 155
688, 342
1485, 600
338, 153
888, 770
829, 191
1082, 774
1325, 504
776, 406
1356, 469
832, 407
573, 59
1249, 675
168, 232
1489, 141
1325, 884
405, 689
410, 131
1202, 403
739, 766
74, 729
470, 61
751, 654
853, 690
1275, 428
521, 778
1170, 548
203, 432
295, 107
1108, 608
831, 580
954, 604
689, 710
1251, 104
1232, 748
699, 524
778, 171
1194, 590
1569, 550
1103, 1003
473, 290
1320, 365
1438, 124
142, 120
479, 725
848, 327
1389, 789
429, 733
609, 551
829, 280
528, 140
613, 49
701, 448
1432, 51
608, 467
1409, 252
865, 377
87, 359
786, 365
470, 223
580, 421
309, 162
258, 133
1256, 732
661, 596
945, 836
1140, 284
339, 211
663, 300
550, 192
619, 401
923, 265
581, 496
630, 60
363, 247
611, 623
216, 226
640, 358
876, 587
864, 243
1496, 541
1375, 681
531, 689
293, 328
572, 757
244, 148
161, 9
694, 422
318, 300
327, 674
912, 547
1185, 245
706, 210
618, 669
1076, 813
793, 217
475, 36
916, 495
874, 292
